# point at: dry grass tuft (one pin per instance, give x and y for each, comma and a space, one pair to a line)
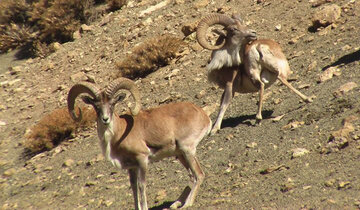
149, 56
55, 127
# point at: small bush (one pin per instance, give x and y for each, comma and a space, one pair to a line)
14, 11
114, 5
14, 30
15, 35
57, 20
55, 127
149, 56
32, 25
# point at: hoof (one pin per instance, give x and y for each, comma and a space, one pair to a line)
257, 122
258, 117
175, 205
213, 131
310, 99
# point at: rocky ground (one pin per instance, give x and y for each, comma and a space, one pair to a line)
301, 156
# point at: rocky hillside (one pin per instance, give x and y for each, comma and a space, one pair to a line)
301, 156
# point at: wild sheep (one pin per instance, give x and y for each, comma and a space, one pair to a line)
241, 63
131, 141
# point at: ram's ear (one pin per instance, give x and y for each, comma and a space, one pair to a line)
88, 100
237, 17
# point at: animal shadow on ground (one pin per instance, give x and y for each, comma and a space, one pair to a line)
244, 119
165, 205
346, 59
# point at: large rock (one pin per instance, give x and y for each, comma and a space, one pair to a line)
201, 4
326, 15
345, 88
78, 77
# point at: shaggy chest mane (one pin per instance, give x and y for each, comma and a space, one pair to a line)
106, 135
224, 57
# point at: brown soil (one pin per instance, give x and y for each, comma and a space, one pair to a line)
247, 166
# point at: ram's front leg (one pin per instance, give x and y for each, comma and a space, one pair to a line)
225, 102
142, 188
138, 186
133, 175
141, 180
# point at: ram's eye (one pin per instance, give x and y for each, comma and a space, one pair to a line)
121, 97
234, 29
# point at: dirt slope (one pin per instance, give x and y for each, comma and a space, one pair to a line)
246, 166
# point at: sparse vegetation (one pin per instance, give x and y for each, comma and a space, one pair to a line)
55, 127
149, 56
290, 161
14, 11
58, 19
115, 4
33, 25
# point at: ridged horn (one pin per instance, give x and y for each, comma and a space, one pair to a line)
237, 17
208, 21
127, 84
75, 91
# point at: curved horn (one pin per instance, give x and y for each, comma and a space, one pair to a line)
127, 84
237, 17
75, 91
208, 21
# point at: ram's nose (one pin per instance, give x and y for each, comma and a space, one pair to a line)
251, 35
105, 120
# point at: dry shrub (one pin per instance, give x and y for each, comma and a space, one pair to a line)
114, 5
13, 29
40, 49
14, 11
55, 127
15, 35
57, 20
149, 56
32, 25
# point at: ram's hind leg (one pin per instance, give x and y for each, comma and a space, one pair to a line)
261, 100
198, 177
287, 84
278, 65
185, 194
